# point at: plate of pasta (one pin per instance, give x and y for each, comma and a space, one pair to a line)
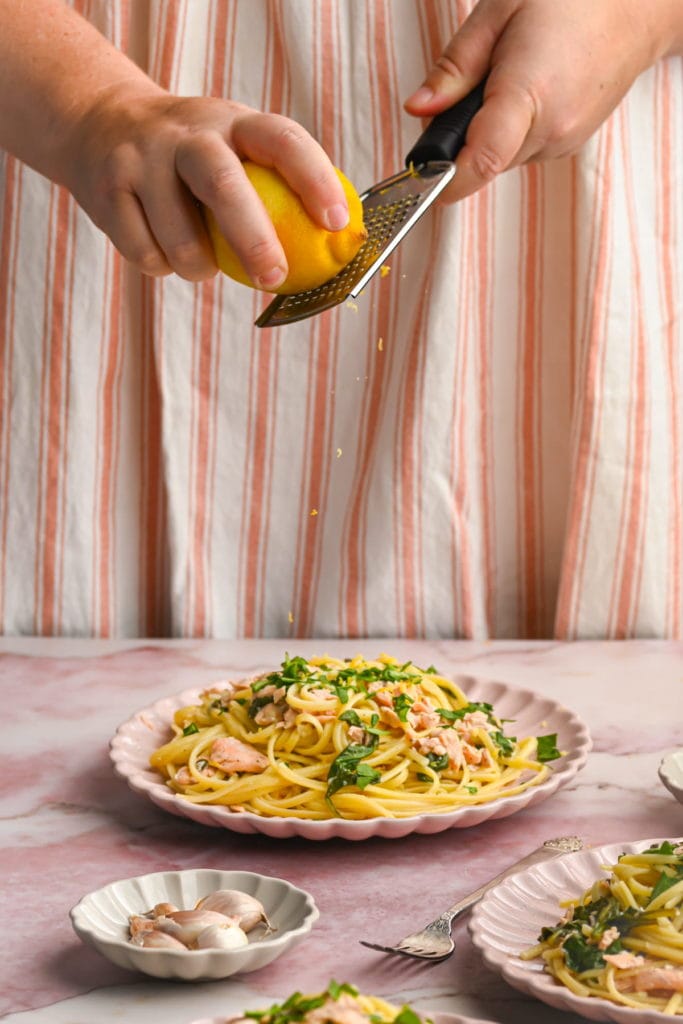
598, 932
326, 747
340, 1003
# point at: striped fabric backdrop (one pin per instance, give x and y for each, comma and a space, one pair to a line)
490, 444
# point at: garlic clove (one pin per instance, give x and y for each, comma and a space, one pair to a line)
185, 925
139, 924
221, 936
158, 940
164, 909
233, 903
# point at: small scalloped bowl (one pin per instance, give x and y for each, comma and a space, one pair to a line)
671, 773
101, 920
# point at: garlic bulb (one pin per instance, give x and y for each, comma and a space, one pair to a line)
185, 925
221, 936
246, 909
157, 940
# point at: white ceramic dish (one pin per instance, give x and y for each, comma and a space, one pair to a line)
532, 714
101, 920
510, 917
436, 1018
671, 773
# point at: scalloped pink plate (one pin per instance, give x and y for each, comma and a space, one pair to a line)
136, 739
436, 1018
509, 919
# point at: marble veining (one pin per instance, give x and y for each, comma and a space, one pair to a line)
69, 825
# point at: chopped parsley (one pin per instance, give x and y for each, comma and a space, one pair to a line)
666, 849
353, 718
190, 729
455, 716
293, 670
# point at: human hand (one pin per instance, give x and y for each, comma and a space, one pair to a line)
556, 71
140, 159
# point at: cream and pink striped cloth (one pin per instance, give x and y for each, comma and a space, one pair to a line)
489, 445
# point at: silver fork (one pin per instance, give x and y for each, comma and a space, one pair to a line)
434, 942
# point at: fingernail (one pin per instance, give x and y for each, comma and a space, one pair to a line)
423, 95
337, 217
272, 278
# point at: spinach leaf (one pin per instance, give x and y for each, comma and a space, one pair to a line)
407, 1016
344, 770
546, 748
580, 955
402, 704
664, 882
334, 989
256, 705
352, 717
366, 775
454, 716
506, 744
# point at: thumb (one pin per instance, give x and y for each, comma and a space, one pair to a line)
465, 61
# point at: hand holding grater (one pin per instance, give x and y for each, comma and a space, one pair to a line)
390, 209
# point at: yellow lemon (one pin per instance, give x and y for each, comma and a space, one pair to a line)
314, 255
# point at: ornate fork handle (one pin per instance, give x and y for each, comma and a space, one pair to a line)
551, 848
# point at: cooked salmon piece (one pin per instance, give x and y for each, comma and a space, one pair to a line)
608, 937
269, 714
423, 717
650, 979
625, 960
183, 777
344, 1010
232, 755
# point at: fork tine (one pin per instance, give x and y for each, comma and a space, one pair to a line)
424, 954
413, 952
380, 949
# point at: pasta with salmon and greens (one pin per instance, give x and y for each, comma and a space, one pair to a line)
338, 1004
355, 739
623, 939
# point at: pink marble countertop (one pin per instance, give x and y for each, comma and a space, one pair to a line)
69, 825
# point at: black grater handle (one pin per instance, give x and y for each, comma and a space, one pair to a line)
444, 136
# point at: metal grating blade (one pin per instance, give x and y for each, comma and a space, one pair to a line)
390, 209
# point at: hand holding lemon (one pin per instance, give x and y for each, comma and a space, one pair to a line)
314, 255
